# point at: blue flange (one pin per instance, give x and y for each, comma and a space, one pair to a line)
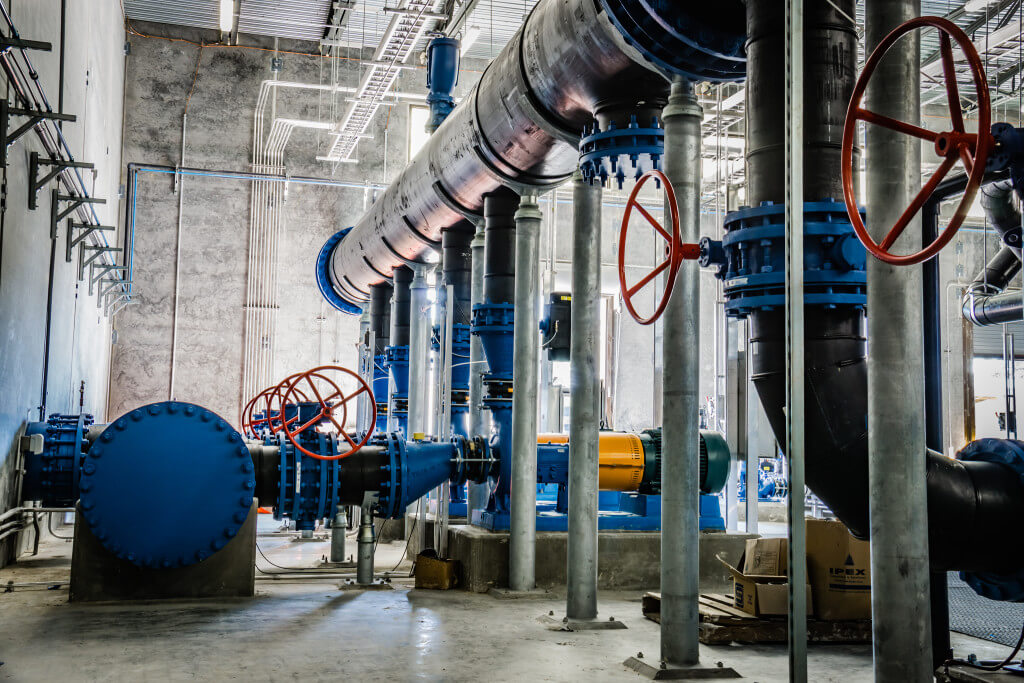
52, 477
701, 45
307, 487
751, 258
619, 153
1005, 587
167, 485
323, 277
414, 469
495, 325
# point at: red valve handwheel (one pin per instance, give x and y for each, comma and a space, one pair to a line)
333, 401
251, 424
275, 394
675, 250
970, 148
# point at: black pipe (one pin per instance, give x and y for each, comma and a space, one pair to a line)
984, 302
965, 499
500, 248
45, 388
995, 275
830, 73
997, 201
401, 306
932, 296
380, 316
457, 269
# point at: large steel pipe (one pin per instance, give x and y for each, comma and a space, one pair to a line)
830, 53
520, 125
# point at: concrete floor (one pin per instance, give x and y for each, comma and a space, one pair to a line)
309, 630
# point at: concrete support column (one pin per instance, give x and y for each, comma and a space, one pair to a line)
901, 615
526, 351
581, 600
680, 467
478, 493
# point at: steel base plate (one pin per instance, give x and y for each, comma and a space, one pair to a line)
566, 624
377, 585
509, 594
693, 673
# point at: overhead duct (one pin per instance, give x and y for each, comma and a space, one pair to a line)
521, 124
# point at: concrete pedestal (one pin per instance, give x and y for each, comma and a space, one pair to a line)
99, 575
626, 559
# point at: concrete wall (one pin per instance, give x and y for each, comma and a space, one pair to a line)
216, 213
79, 351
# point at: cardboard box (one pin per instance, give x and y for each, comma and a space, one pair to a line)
762, 589
434, 573
839, 570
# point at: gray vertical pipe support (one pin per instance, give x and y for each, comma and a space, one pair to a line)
338, 528
526, 352
477, 498
581, 570
680, 466
365, 543
419, 351
900, 608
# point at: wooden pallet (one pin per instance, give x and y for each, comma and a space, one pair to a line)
721, 623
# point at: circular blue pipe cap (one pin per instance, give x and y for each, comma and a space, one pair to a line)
167, 485
323, 278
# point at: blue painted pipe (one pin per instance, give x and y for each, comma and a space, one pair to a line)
442, 76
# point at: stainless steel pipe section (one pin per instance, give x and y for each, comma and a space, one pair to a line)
419, 350
526, 352
680, 466
518, 128
900, 606
478, 493
584, 418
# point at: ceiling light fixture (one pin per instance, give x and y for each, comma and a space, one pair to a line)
976, 5
470, 37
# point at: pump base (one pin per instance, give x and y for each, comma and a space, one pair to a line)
617, 511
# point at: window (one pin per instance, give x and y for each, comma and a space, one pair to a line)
418, 117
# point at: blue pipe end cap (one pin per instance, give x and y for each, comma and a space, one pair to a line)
167, 485
323, 278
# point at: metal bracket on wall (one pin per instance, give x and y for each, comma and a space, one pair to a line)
9, 42
115, 304
36, 183
97, 271
107, 288
87, 229
74, 201
118, 303
7, 137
